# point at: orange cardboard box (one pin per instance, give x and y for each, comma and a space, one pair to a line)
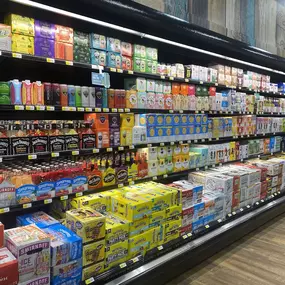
102, 138
99, 121
63, 51
8, 268
63, 34
1, 235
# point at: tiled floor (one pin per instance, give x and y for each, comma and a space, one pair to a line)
257, 259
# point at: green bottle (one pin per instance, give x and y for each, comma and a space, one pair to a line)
78, 100
5, 93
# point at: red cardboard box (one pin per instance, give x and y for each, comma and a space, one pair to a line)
8, 268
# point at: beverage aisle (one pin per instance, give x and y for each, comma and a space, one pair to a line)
257, 259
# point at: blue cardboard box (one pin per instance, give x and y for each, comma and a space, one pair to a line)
40, 219
197, 224
168, 120
65, 245
114, 59
151, 120
197, 193
98, 41
191, 119
159, 120
184, 120
199, 210
98, 57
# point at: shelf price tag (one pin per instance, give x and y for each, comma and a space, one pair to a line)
154, 178
241, 209
131, 147
120, 185
130, 72
201, 82
27, 205
171, 78
75, 152
162, 77
185, 237
47, 201
165, 176
113, 69
106, 110
149, 145
16, 55
181, 111
80, 109
97, 109
42, 108
186, 80
95, 150
248, 206
171, 111
132, 182
30, 108
207, 226
54, 154
79, 194
94, 66
109, 149
121, 110
114, 110
65, 197
65, 108
50, 60
234, 213
4, 210
219, 220
88, 109
171, 143
119, 70
136, 259
49, 108
68, 62
32, 156
89, 281
19, 107
123, 265
161, 144
72, 109
127, 110
160, 247
121, 148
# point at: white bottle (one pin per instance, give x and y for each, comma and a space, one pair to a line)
85, 96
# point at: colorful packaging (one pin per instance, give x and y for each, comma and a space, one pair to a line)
117, 230
68, 273
44, 47
114, 60
22, 44
139, 244
22, 243
5, 37
87, 223
63, 34
98, 41
43, 280
92, 270
21, 25
95, 201
4, 92
81, 53
40, 219
65, 245
63, 50
71, 95
116, 254
81, 39
114, 45
8, 267
98, 57
93, 252
44, 30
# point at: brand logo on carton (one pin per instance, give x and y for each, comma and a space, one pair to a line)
34, 248
122, 175
109, 177
94, 181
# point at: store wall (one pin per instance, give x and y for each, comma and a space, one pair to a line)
259, 23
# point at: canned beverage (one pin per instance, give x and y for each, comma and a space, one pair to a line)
78, 99
63, 95
85, 96
55, 94
92, 101
71, 95
98, 97
48, 93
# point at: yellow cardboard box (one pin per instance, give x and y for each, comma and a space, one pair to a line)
23, 44
117, 229
93, 252
86, 223
138, 227
116, 254
92, 270
139, 244
157, 218
96, 201
21, 25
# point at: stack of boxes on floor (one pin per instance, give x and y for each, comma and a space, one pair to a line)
65, 248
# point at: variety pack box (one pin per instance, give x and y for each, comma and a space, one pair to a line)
68, 273
5, 37
40, 219
95, 201
21, 25
93, 252
43, 280
139, 244
8, 267
65, 245
116, 254
29, 244
92, 270
87, 223
22, 44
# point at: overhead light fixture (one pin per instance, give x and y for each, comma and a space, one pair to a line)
139, 34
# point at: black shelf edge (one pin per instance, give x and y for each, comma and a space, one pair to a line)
158, 178
183, 240
9, 54
209, 239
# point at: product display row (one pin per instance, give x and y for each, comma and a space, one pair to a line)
99, 231
23, 182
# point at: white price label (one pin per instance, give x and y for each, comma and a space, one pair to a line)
95, 150
19, 107
189, 235
28, 205
30, 108
98, 109
80, 109
65, 197
123, 265
32, 156
47, 201
121, 148
160, 247
89, 281
94, 66
106, 110
154, 178
114, 110
109, 149
16, 55
75, 152
42, 108
68, 62
50, 60
161, 144
88, 109
49, 108
54, 154
165, 176
4, 210
130, 72
79, 194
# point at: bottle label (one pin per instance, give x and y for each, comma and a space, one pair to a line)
45, 190
39, 144
122, 175
72, 142
63, 186
20, 145
94, 181
57, 143
79, 184
26, 194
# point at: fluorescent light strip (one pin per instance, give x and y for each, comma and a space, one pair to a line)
134, 32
